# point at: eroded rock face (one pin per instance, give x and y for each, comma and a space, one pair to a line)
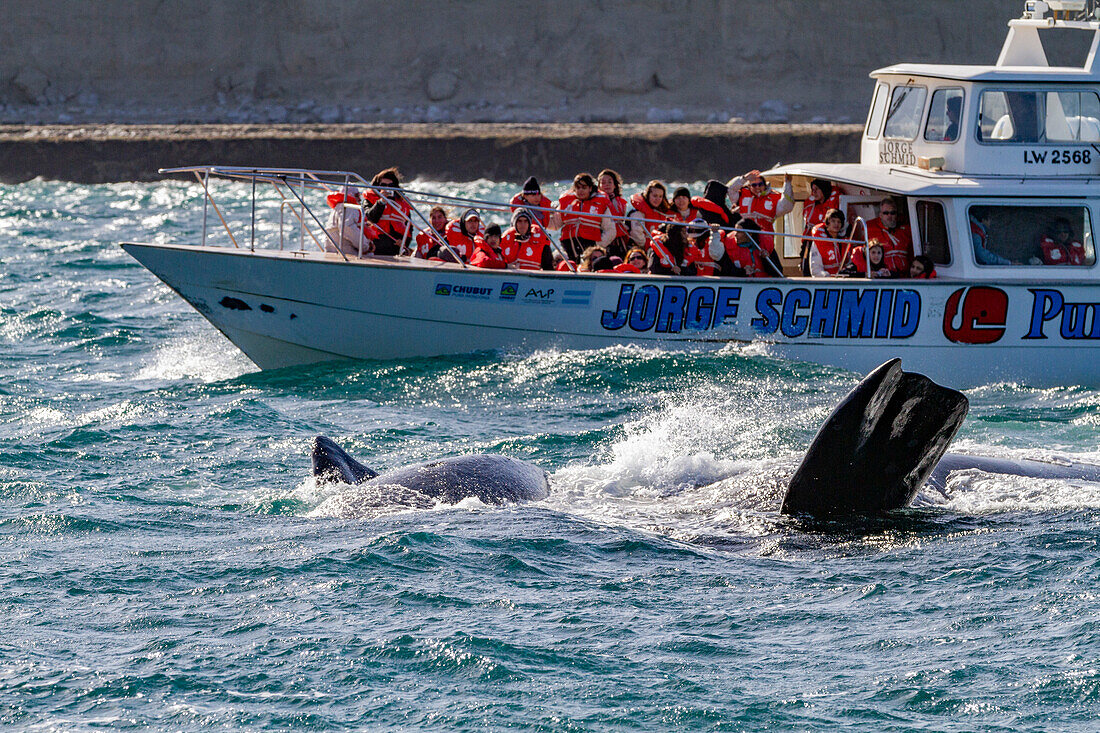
693, 61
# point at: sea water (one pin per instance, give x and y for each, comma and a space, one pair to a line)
168, 562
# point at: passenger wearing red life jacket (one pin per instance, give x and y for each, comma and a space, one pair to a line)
1059, 247
345, 227
753, 199
527, 246
653, 205
922, 268
532, 195
897, 241
582, 219
389, 211
875, 252
823, 198
611, 186
744, 256
487, 252
705, 250
682, 210
636, 262
461, 234
428, 244
669, 253
825, 257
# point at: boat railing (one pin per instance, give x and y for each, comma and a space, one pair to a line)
294, 184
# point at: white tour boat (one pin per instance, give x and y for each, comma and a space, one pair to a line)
985, 162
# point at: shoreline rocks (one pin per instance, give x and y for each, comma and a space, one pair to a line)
112, 152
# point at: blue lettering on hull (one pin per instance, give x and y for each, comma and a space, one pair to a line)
1076, 321
820, 313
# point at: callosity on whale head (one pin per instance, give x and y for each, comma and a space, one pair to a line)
492, 479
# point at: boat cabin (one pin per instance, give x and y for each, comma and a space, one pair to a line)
991, 163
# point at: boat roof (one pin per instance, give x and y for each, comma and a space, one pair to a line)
907, 181
1004, 74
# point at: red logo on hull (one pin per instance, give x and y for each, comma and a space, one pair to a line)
980, 319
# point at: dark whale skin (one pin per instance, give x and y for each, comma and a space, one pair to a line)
493, 479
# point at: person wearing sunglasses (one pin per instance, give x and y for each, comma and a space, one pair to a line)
896, 238
754, 199
635, 263
389, 211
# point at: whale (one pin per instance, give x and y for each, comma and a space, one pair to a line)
491, 478
887, 439
882, 443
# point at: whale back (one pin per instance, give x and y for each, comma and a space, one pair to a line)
878, 446
492, 479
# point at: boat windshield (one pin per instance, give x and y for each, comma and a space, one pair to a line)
1037, 116
1031, 235
906, 111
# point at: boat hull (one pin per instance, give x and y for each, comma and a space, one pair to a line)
284, 309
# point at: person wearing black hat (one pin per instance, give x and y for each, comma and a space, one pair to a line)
824, 197
532, 195
487, 250
682, 210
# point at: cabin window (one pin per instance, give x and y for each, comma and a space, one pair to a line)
933, 232
878, 109
906, 112
943, 116
1031, 235
1036, 116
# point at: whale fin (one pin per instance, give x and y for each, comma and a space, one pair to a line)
879, 445
332, 463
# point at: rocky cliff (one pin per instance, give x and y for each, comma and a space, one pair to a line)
472, 61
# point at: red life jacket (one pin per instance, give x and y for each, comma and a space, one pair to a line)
659, 245
617, 205
814, 213
460, 241
897, 245
626, 267
687, 218
830, 251
705, 204
425, 242
395, 218
1062, 254
486, 256
639, 203
526, 252
564, 266
335, 199
760, 209
703, 264
519, 202
745, 257
575, 225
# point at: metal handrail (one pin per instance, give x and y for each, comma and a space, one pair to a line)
333, 180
